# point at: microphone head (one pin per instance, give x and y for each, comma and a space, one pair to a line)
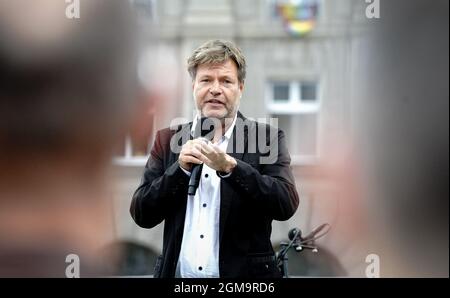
293, 232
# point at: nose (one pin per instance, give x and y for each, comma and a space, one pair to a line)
215, 89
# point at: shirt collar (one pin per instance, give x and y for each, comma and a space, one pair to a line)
227, 134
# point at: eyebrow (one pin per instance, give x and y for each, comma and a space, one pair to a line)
221, 77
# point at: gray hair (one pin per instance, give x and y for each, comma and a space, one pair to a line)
214, 52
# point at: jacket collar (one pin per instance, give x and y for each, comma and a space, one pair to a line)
229, 131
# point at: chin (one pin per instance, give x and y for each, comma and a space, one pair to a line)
215, 114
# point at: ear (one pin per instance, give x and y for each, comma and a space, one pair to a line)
241, 86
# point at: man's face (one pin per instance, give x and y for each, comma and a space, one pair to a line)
217, 90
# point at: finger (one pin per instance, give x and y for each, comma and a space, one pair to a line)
207, 161
216, 148
191, 159
203, 140
186, 146
191, 151
199, 141
209, 153
196, 153
197, 146
207, 149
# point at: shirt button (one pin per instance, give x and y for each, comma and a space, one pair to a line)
204, 205
201, 236
206, 175
200, 268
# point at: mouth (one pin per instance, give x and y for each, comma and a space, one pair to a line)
215, 102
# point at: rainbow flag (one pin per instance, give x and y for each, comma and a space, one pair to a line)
299, 17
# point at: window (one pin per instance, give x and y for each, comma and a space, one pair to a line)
135, 148
296, 105
293, 97
308, 91
280, 92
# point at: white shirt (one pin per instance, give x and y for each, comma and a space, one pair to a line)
199, 255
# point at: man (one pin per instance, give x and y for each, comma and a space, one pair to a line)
224, 229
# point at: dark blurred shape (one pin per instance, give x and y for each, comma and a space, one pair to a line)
130, 258
66, 93
54, 87
319, 264
403, 108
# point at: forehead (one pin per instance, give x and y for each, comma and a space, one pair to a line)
228, 67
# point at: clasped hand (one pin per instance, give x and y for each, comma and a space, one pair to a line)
200, 151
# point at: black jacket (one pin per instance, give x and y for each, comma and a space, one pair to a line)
251, 197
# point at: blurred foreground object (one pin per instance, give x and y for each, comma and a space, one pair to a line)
401, 99
66, 88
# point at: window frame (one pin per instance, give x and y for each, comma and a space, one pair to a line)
128, 159
295, 105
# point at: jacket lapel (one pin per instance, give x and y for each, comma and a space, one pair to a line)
234, 149
185, 134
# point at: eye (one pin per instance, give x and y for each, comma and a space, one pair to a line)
204, 80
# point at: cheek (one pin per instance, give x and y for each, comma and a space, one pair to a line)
202, 91
199, 94
232, 95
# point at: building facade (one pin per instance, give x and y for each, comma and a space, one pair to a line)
299, 56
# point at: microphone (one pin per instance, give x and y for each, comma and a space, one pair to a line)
299, 242
295, 234
204, 129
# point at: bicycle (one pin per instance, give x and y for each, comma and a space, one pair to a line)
299, 243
